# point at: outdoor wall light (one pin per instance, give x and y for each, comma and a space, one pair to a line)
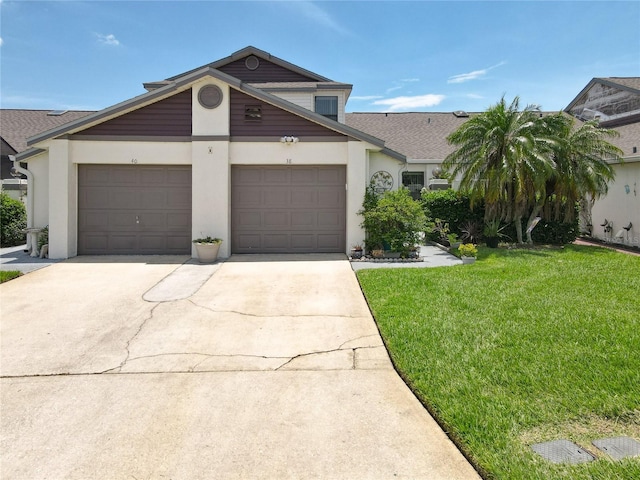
289, 140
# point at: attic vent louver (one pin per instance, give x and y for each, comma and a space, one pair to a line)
252, 62
461, 114
56, 113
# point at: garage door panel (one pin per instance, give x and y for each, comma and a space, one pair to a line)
304, 198
277, 197
134, 209
294, 209
303, 241
276, 176
122, 176
275, 240
303, 219
178, 199
331, 176
276, 220
153, 176
328, 241
301, 175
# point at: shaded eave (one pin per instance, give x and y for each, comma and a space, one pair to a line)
185, 82
604, 81
260, 54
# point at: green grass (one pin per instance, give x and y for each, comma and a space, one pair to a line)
5, 276
524, 346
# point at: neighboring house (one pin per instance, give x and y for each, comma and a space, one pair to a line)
615, 102
250, 148
15, 127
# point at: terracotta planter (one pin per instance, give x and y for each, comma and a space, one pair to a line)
207, 252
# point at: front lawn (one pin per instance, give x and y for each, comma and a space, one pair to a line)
6, 275
524, 346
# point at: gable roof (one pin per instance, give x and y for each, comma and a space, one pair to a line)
184, 82
245, 52
630, 84
18, 125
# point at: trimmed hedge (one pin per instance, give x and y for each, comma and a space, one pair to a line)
451, 207
13, 221
548, 232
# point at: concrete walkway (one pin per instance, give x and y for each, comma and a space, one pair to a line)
272, 368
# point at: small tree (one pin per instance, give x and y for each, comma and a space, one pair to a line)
13, 221
395, 219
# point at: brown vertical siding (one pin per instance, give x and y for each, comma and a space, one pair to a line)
168, 117
274, 122
266, 72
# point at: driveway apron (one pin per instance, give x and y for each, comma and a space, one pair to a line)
264, 366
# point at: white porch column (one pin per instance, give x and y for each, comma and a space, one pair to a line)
63, 202
356, 186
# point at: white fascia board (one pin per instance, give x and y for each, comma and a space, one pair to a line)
429, 161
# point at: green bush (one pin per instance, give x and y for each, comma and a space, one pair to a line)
13, 221
549, 232
451, 207
393, 219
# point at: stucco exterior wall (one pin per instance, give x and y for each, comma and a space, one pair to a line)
621, 205
307, 99
379, 161
38, 189
276, 153
210, 121
211, 193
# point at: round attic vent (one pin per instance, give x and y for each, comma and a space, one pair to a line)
252, 62
210, 96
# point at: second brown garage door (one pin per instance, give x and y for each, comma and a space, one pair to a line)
288, 209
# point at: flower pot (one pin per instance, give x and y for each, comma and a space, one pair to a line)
207, 252
468, 260
356, 254
492, 242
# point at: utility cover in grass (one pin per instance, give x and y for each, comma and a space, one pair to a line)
618, 447
562, 451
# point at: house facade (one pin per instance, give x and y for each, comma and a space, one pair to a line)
251, 149
615, 103
259, 152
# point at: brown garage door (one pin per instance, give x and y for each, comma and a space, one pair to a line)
134, 209
287, 209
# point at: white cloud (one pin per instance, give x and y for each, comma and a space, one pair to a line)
366, 97
465, 77
1, 41
407, 103
318, 15
475, 96
109, 39
399, 84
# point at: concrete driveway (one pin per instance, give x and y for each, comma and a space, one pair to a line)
261, 367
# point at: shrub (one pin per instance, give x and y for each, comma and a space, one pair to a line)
468, 250
550, 232
451, 207
13, 221
393, 219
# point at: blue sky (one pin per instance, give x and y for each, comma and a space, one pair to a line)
399, 55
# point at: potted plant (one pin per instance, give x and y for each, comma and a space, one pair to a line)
207, 248
356, 251
468, 253
493, 233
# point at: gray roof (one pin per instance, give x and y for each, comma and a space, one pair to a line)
18, 125
417, 135
423, 135
300, 86
629, 138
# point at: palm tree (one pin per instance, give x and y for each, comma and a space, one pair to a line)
504, 156
582, 173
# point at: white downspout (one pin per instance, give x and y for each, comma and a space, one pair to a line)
30, 191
